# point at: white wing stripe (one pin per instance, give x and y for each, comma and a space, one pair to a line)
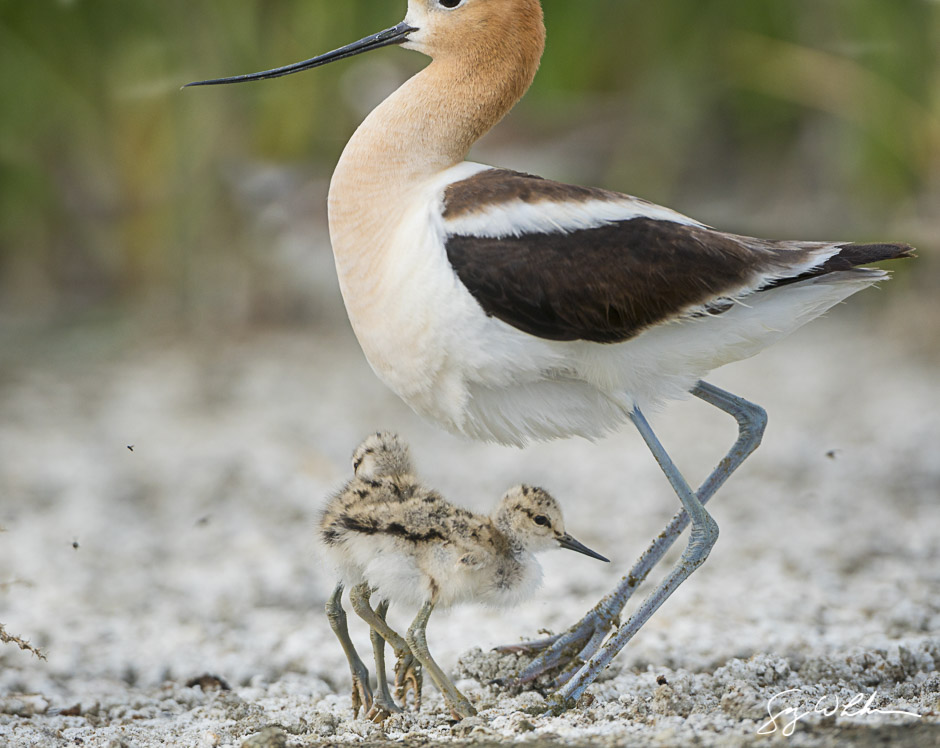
518, 218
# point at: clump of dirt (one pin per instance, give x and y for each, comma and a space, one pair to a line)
7, 638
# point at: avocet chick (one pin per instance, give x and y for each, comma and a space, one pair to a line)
383, 474
421, 550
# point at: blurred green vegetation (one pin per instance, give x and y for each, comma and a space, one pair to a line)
114, 186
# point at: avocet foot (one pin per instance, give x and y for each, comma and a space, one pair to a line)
409, 678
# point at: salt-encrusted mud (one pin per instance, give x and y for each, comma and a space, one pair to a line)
138, 571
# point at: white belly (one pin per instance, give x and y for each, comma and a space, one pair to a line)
429, 340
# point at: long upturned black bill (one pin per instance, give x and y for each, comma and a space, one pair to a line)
395, 35
566, 541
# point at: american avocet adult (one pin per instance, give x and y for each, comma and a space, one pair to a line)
506, 307
390, 535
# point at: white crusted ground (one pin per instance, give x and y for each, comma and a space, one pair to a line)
137, 571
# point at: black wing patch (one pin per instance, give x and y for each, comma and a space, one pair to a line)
608, 284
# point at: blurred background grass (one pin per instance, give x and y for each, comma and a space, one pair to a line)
122, 195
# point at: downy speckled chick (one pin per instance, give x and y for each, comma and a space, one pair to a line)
383, 474
413, 546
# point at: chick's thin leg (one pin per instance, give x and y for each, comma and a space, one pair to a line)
459, 705
361, 693
408, 676
383, 705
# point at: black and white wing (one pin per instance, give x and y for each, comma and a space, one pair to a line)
563, 262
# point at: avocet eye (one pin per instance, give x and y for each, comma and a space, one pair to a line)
542, 520
449, 4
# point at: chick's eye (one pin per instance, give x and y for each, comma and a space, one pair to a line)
541, 520
449, 4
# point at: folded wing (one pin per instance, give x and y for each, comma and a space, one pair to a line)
571, 263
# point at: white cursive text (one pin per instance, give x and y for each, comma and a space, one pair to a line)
827, 706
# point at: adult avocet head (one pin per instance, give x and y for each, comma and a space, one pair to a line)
483, 33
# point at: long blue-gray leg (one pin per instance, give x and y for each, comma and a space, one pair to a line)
571, 649
361, 693
702, 538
